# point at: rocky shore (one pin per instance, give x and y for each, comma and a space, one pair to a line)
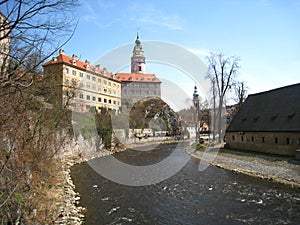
281, 169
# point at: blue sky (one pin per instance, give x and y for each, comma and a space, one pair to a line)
265, 34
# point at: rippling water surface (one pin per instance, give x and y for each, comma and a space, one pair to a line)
213, 196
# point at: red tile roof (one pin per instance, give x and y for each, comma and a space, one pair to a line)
85, 66
137, 77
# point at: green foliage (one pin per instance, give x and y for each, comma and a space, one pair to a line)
104, 126
153, 113
19, 197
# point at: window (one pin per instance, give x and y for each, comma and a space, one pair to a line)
140, 68
252, 139
74, 83
115, 102
109, 83
88, 86
288, 141
81, 85
81, 74
263, 139
105, 100
88, 77
67, 69
94, 98
233, 137
74, 72
94, 88
67, 81
109, 101
104, 90
276, 140
93, 78
104, 81
99, 80
299, 141
99, 99
87, 107
88, 97
242, 138
80, 95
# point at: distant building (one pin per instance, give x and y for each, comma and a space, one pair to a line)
138, 84
4, 42
80, 85
268, 122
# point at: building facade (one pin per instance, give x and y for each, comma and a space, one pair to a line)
79, 85
138, 84
268, 122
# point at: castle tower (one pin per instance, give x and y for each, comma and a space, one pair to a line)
138, 64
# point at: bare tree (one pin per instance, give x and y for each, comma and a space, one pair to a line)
35, 30
30, 32
240, 92
222, 71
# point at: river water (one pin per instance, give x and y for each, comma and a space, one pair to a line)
212, 196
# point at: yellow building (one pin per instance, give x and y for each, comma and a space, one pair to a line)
79, 85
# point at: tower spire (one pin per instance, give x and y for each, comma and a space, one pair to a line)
138, 58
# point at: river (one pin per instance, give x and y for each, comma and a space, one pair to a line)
212, 196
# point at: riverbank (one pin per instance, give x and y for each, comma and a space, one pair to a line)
275, 168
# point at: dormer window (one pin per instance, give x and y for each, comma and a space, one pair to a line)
73, 62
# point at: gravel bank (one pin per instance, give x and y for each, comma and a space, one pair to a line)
285, 170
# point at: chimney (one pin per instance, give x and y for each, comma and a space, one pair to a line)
61, 52
75, 57
97, 66
104, 71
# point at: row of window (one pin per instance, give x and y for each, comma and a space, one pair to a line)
93, 78
286, 140
93, 98
139, 92
94, 88
142, 85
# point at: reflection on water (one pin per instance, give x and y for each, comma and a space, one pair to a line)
213, 196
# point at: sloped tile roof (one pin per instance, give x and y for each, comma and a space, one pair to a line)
85, 66
137, 77
273, 111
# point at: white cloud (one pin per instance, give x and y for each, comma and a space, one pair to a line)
90, 14
200, 52
105, 4
150, 15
